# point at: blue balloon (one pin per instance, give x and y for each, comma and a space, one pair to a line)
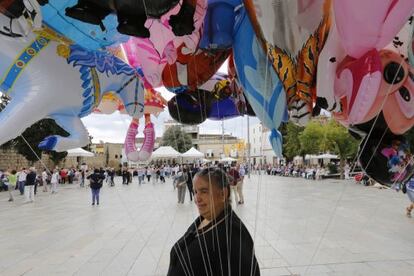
218, 24
87, 35
223, 109
261, 85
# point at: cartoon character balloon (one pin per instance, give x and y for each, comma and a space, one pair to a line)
46, 79
384, 156
152, 54
371, 78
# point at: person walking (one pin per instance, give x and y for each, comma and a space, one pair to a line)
141, 175
11, 180
234, 179
111, 176
190, 183
181, 183
54, 180
82, 182
240, 184
44, 180
29, 185
96, 179
21, 180
409, 189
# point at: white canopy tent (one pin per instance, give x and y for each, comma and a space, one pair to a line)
327, 156
192, 153
79, 152
165, 152
228, 159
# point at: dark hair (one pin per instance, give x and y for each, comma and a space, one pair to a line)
216, 176
13, 172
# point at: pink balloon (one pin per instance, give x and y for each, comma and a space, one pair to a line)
148, 145
370, 24
153, 53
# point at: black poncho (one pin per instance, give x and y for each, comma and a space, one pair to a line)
223, 248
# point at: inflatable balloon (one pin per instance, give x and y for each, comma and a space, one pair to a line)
133, 14
374, 23
18, 18
259, 81
147, 146
87, 35
411, 43
383, 155
49, 80
192, 70
219, 24
379, 80
154, 105
191, 108
160, 48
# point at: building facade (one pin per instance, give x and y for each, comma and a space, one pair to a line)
261, 151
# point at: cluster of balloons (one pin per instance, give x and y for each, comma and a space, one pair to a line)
286, 60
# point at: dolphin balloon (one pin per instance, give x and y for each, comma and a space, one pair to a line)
46, 79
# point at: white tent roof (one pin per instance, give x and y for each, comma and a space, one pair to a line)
227, 159
165, 152
327, 156
80, 152
322, 156
193, 153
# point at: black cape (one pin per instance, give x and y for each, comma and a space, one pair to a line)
222, 248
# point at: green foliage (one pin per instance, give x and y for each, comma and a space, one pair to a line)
291, 142
339, 141
176, 138
312, 139
26, 144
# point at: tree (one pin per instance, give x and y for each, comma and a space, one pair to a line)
176, 138
26, 144
340, 142
312, 139
291, 142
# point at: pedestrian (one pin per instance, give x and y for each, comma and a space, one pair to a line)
153, 173
141, 175
44, 180
181, 183
162, 174
82, 182
217, 242
96, 179
12, 180
240, 183
234, 179
124, 176
54, 180
190, 183
409, 189
347, 171
30, 185
21, 180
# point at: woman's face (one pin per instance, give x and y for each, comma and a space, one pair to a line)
209, 198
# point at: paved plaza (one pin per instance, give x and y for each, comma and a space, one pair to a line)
300, 227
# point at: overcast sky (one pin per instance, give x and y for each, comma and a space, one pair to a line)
112, 128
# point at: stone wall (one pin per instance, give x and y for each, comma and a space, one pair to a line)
10, 159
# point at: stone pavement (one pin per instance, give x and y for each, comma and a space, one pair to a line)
300, 227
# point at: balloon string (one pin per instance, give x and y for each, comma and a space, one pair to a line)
205, 262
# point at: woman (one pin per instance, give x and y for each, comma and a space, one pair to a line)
217, 243
96, 180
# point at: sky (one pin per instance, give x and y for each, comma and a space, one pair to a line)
113, 128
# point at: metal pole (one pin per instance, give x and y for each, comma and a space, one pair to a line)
248, 147
222, 136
